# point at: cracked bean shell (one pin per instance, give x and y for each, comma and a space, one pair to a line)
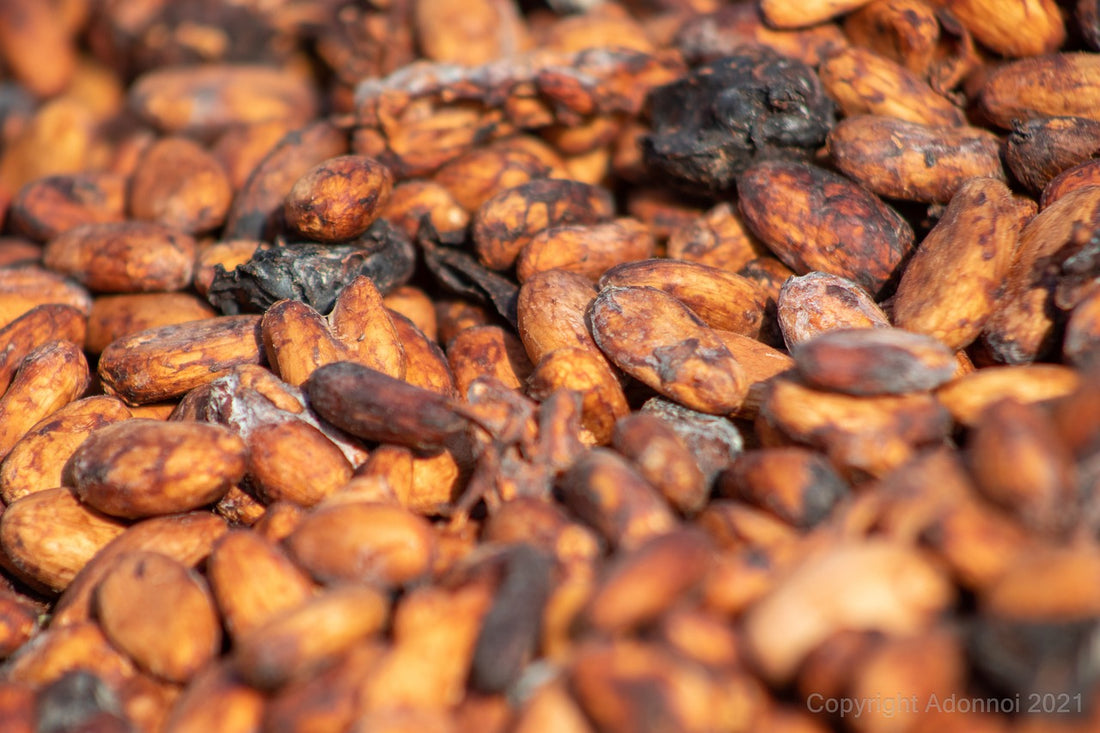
814, 219
506, 222
819, 302
723, 300
658, 340
140, 468
1024, 323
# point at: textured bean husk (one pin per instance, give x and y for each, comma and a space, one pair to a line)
187, 538
713, 440
230, 94
655, 338
550, 311
1079, 176
48, 536
870, 585
975, 240
363, 543
817, 220
910, 33
49, 206
718, 238
227, 255
35, 462
797, 485
589, 250
37, 326
338, 199
50, 377
505, 223
542, 87
723, 300
711, 124
998, 26
361, 321
167, 362
313, 273
302, 640
1019, 463
1039, 149
818, 302
487, 350
253, 581
180, 184
159, 612
663, 459
860, 434
1023, 324
481, 173
641, 585
141, 468
862, 82
297, 340
117, 316
912, 161
374, 406
579, 369
250, 398
1055, 85
607, 492
258, 206
24, 288
968, 395
870, 361
123, 257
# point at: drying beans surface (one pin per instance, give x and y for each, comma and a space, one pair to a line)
567, 366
